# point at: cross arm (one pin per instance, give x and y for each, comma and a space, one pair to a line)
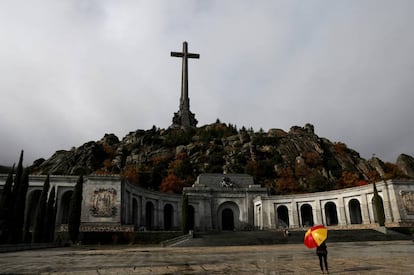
193, 55
176, 54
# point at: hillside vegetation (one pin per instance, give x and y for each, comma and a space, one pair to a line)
169, 159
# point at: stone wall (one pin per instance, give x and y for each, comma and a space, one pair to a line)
350, 206
110, 204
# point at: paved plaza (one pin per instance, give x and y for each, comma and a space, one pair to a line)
385, 257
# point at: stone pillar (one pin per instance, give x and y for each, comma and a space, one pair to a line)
387, 204
160, 214
144, 212
317, 212
140, 210
365, 210
128, 208
341, 212
266, 214
272, 210
294, 214
395, 204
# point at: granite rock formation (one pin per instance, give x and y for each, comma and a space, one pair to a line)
285, 162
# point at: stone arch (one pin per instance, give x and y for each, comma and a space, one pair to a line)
374, 209
355, 211
331, 214
306, 215
282, 216
135, 212
32, 202
168, 216
228, 215
64, 207
149, 215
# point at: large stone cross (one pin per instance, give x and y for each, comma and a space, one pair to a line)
184, 111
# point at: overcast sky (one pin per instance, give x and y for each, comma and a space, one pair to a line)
71, 71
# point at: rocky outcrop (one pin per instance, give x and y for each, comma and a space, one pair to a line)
293, 161
406, 164
83, 160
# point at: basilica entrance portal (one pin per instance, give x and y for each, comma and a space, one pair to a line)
228, 215
227, 219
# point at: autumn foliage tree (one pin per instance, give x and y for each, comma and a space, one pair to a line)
348, 179
393, 172
130, 173
286, 182
172, 184
180, 175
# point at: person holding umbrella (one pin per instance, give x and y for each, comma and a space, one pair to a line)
322, 253
316, 237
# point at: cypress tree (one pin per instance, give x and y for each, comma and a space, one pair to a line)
379, 207
19, 207
75, 208
50, 220
184, 207
6, 205
40, 214
18, 177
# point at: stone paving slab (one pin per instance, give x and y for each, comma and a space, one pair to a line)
385, 257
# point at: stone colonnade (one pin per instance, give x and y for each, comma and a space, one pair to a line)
111, 204
346, 207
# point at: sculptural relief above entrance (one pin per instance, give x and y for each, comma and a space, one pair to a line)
103, 202
407, 199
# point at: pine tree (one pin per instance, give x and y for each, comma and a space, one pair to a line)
6, 206
75, 209
50, 220
40, 214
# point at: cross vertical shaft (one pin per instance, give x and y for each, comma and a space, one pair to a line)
184, 117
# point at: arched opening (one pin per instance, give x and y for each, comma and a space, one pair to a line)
259, 216
149, 215
355, 211
227, 219
168, 216
64, 206
306, 215
381, 210
228, 215
282, 216
31, 207
190, 217
331, 214
135, 212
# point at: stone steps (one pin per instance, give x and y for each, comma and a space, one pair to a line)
239, 238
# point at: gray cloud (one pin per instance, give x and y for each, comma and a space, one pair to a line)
72, 71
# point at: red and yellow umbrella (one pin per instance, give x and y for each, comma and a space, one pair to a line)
315, 236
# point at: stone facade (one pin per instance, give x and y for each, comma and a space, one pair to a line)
221, 202
345, 207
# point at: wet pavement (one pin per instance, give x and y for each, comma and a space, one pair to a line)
386, 257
